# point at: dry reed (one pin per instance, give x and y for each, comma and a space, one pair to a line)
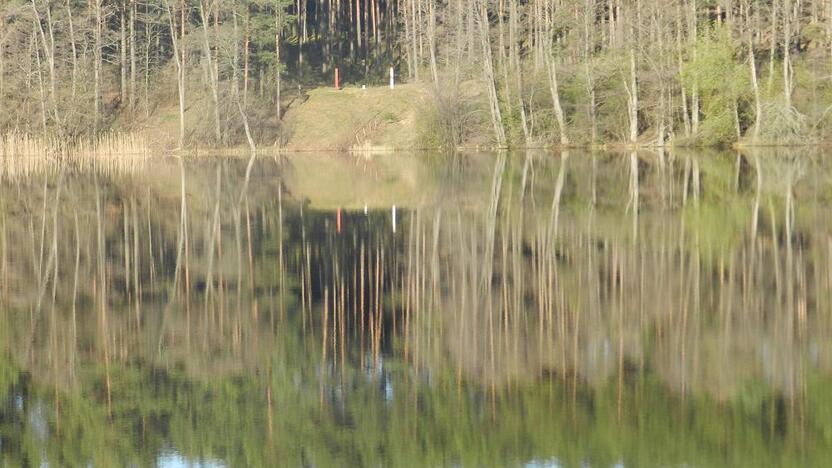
22, 154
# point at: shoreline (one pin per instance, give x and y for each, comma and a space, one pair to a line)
111, 145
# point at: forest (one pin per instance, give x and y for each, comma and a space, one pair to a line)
518, 73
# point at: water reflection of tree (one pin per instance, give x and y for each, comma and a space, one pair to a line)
548, 289
589, 301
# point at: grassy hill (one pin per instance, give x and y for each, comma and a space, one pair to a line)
372, 119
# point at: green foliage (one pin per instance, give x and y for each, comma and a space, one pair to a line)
269, 18
609, 74
638, 423
512, 124
721, 80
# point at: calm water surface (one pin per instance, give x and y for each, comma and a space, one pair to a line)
481, 310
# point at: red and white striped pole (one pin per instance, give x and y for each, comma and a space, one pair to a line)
338, 221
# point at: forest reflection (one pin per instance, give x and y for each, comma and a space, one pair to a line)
644, 309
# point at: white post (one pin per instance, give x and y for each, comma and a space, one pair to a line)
392, 79
394, 219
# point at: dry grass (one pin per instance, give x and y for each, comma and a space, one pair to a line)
22, 154
356, 119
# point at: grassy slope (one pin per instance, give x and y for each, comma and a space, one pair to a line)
378, 119
354, 118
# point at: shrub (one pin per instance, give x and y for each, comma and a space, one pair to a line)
450, 119
721, 80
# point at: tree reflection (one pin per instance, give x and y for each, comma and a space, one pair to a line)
212, 308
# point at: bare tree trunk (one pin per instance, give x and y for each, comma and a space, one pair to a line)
514, 59
148, 40
470, 26
554, 90
179, 55
694, 98
48, 45
36, 49
788, 73
829, 28
358, 22
182, 68
97, 66
73, 46
632, 92
592, 105
132, 54
414, 31
366, 32
460, 26
611, 22
122, 49
52, 73
589, 19
432, 39
662, 125
374, 10
278, 27
406, 48
2, 62
488, 77
246, 47
683, 91
502, 60
246, 127
236, 85
213, 78
694, 110
773, 46
758, 103
551, 70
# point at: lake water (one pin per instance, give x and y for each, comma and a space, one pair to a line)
529, 309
